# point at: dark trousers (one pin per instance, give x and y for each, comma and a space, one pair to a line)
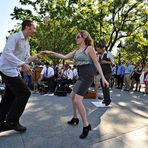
120, 79
105, 90
14, 100
50, 83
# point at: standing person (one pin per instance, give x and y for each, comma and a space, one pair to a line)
127, 75
136, 76
113, 77
146, 78
84, 57
106, 61
15, 55
120, 75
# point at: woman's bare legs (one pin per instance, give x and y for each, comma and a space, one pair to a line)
79, 105
72, 95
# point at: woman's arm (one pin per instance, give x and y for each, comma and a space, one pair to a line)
34, 57
91, 52
58, 55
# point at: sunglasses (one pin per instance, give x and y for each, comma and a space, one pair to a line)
77, 37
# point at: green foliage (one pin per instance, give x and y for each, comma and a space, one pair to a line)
107, 20
137, 47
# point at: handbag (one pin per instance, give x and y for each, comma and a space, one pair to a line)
59, 91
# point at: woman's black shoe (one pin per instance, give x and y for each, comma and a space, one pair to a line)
73, 121
15, 126
85, 131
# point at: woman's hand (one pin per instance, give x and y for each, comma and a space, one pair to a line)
105, 83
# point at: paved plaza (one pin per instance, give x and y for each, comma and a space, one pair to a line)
124, 125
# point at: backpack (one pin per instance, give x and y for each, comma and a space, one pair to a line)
60, 91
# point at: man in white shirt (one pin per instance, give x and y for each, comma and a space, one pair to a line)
68, 73
16, 54
47, 75
75, 74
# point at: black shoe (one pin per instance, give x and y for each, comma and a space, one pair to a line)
15, 126
73, 121
106, 103
85, 131
100, 98
2, 126
126, 89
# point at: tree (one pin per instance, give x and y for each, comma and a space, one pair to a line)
107, 20
57, 32
124, 18
137, 47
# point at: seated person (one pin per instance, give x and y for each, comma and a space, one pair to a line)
68, 73
47, 76
75, 73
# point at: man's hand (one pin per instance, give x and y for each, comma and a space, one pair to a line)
26, 68
44, 53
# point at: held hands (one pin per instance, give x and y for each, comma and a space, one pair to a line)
45, 52
37, 56
42, 54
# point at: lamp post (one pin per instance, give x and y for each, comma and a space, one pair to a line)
119, 55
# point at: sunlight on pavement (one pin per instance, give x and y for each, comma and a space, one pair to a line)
137, 102
140, 112
137, 138
122, 103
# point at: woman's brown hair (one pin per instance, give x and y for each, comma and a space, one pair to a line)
87, 38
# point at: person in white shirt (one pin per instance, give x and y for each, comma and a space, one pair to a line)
68, 73
16, 54
75, 74
47, 75
42, 64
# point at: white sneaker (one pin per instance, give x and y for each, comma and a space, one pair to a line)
100, 104
51, 94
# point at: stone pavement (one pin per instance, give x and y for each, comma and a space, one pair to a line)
124, 125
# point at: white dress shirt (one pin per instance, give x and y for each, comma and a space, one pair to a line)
68, 74
16, 51
75, 73
50, 72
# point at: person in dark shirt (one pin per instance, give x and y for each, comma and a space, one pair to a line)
106, 61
